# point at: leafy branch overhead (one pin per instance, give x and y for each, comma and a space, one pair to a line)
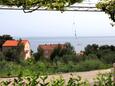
36, 4
108, 6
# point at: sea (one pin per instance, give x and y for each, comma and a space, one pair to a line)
79, 43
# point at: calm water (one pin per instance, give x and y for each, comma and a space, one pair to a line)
79, 43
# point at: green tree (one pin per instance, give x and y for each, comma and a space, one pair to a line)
56, 53
91, 48
61, 50
3, 38
38, 54
2, 57
108, 6
6, 37
108, 57
105, 47
36, 4
69, 49
10, 54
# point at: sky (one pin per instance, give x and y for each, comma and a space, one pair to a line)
55, 24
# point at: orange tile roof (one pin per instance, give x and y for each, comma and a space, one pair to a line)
49, 46
24, 41
10, 43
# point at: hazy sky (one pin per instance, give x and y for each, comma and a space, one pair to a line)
53, 24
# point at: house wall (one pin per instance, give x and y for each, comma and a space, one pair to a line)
48, 52
49, 48
27, 50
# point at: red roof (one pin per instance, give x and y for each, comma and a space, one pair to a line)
50, 46
10, 43
24, 41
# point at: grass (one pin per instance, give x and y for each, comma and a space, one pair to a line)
9, 69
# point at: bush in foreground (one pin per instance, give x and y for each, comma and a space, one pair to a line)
36, 80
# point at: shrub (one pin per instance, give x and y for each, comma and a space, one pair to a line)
90, 65
104, 80
58, 82
77, 81
91, 56
67, 58
60, 51
91, 49
9, 69
108, 58
2, 57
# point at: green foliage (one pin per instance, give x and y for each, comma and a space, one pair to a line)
6, 37
101, 80
108, 6
13, 53
105, 47
58, 82
91, 49
30, 61
10, 54
8, 69
39, 54
3, 38
2, 57
108, 58
5, 83
104, 80
57, 52
41, 81
100, 57
105, 53
67, 58
91, 56
32, 80
18, 81
91, 65
36, 56
44, 83
69, 49
36, 4
64, 68
62, 51
77, 82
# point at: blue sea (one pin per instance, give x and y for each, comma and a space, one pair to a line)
78, 43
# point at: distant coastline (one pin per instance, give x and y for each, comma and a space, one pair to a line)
26, 37
79, 43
